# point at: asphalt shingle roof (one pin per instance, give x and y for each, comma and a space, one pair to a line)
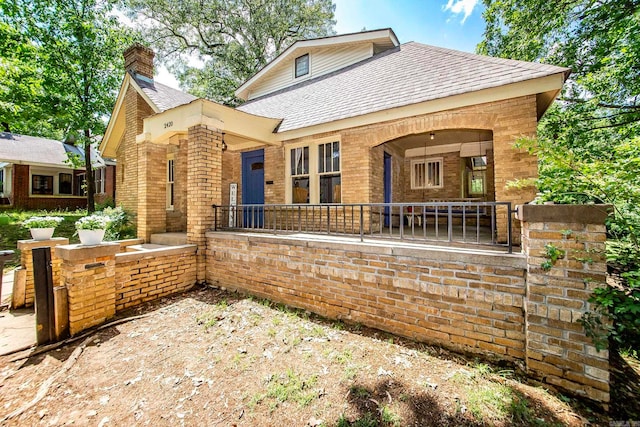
32, 149
406, 75
164, 97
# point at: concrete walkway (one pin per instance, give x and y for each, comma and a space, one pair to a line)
17, 327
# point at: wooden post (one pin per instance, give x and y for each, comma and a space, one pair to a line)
43, 287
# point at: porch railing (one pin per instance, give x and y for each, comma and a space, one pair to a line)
451, 222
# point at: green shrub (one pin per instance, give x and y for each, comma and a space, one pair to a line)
121, 225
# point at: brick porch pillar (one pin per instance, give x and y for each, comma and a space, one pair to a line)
204, 182
557, 348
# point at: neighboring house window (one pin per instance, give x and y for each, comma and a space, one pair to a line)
329, 171
426, 173
302, 65
65, 183
170, 183
80, 189
1, 180
314, 173
42, 184
300, 174
99, 179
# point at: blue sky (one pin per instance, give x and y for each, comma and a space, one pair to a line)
454, 24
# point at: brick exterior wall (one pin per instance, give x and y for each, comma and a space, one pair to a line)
152, 189
26, 263
136, 109
177, 218
558, 350
141, 277
23, 200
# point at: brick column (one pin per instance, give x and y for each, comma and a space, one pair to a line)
26, 263
89, 274
557, 349
204, 181
152, 178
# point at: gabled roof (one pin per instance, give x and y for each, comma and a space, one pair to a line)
409, 74
33, 150
162, 96
384, 38
159, 97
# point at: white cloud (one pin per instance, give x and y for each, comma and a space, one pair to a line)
461, 6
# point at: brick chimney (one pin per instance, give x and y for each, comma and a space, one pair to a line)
138, 59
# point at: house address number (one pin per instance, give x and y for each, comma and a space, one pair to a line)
168, 124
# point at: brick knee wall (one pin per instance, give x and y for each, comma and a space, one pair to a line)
430, 295
26, 262
142, 277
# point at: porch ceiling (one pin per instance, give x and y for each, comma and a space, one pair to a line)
443, 137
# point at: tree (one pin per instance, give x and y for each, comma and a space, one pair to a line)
72, 52
589, 142
233, 39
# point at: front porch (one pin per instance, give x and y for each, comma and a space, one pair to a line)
457, 223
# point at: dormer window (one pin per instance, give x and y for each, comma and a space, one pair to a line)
302, 65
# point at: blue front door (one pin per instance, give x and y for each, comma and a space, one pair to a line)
387, 187
253, 188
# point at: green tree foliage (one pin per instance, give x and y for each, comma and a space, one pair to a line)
65, 69
589, 141
233, 39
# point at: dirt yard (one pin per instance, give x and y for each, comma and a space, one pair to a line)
212, 358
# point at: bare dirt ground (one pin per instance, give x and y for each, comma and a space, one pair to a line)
213, 358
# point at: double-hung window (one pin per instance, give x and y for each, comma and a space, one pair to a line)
426, 173
329, 172
170, 183
65, 183
99, 178
314, 173
42, 184
300, 175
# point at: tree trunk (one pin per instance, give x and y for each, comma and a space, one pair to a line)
90, 183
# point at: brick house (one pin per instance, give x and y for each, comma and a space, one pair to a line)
34, 174
349, 119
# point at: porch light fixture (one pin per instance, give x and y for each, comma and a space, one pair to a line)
432, 136
224, 144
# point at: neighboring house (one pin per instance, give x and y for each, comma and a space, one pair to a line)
355, 118
35, 174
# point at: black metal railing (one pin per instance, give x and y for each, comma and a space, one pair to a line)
460, 222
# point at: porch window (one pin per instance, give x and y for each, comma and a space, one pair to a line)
42, 184
1, 180
329, 172
302, 65
65, 183
170, 183
426, 173
300, 174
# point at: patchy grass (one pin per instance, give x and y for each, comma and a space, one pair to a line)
202, 358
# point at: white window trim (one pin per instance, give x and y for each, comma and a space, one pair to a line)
99, 177
170, 179
308, 74
426, 161
314, 175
